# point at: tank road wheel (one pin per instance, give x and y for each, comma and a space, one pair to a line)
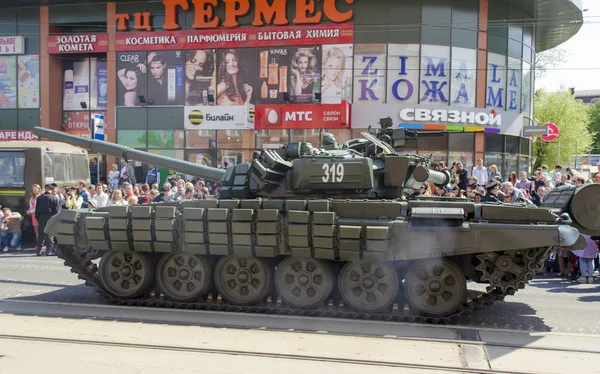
304, 282
184, 277
243, 280
126, 274
368, 287
435, 288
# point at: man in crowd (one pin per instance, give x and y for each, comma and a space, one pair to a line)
153, 176
491, 192
163, 196
188, 195
10, 232
126, 168
83, 192
463, 176
523, 183
45, 207
480, 172
100, 200
555, 176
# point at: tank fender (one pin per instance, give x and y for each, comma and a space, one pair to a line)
64, 215
567, 236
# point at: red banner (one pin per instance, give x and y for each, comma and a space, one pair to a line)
77, 43
236, 38
9, 135
303, 116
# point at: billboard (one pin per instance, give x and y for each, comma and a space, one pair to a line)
303, 116
219, 117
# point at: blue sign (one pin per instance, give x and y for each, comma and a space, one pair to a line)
98, 127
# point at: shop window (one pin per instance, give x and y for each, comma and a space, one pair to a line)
230, 157
132, 138
435, 156
341, 135
512, 144
526, 98
461, 141
494, 143
466, 158
433, 15
510, 165
429, 142
465, 14
524, 163
200, 139
525, 146
312, 136
494, 159
234, 139
201, 156
166, 139
271, 138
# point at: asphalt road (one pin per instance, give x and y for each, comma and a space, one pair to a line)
547, 304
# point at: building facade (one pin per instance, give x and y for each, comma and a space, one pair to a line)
210, 81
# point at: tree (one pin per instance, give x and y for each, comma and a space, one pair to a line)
594, 127
548, 60
572, 119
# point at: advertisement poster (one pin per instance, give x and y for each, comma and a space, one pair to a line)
76, 84
464, 68
99, 84
306, 116
77, 123
369, 72
435, 70
8, 82
165, 77
273, 65
218, 118
336, 81
236, 76
131, 78
305, 74
29, 81
403, 73
200, 76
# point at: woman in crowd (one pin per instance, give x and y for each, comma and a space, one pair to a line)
117, 199
35, 192
493, 174
74, 200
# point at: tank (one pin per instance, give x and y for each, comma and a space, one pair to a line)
307, 231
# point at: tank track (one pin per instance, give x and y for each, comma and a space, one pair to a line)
88, 271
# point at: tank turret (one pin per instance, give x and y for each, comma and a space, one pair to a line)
581, 203
359, 168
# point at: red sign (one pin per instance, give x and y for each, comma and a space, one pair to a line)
236, 38
303, 116
552, 132
9, 135
205, 13
12, 45
78, 123
77, 43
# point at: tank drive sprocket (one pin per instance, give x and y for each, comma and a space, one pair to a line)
508, 271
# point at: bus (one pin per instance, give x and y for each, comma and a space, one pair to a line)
25, 163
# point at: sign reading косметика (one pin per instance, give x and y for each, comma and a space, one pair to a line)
236, 38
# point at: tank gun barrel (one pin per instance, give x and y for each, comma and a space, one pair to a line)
97, 146
425, 175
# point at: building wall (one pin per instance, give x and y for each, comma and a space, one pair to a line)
463, 45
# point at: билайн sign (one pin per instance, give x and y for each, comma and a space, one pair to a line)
265, 13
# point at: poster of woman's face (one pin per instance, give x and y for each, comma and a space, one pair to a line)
132, 78
305, 73
200, 76
165, 77
236, 76
272, 75
336, 81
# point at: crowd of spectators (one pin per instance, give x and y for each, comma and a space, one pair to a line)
487, 185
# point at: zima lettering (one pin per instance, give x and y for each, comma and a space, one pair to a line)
333, 173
